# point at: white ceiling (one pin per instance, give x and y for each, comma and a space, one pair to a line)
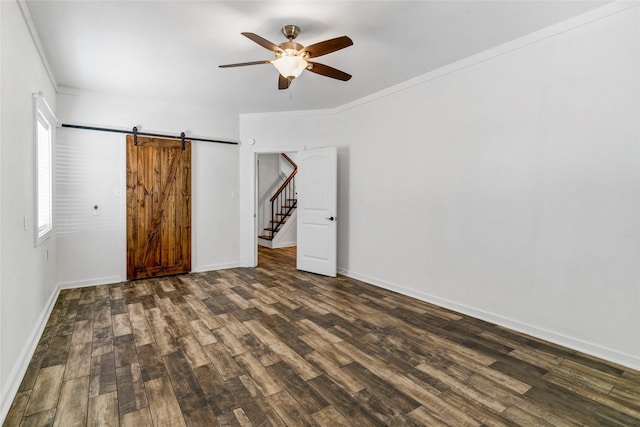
170, 50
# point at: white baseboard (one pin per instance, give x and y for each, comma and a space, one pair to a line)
285, 244
20, 368
265, 243
90, 282
213, 267
117, 279
535, 331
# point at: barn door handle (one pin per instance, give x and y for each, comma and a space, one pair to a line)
331, 218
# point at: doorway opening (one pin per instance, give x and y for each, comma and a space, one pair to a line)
316, 228
275, 208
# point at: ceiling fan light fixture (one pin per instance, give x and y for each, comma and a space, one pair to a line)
291, 58
290, 66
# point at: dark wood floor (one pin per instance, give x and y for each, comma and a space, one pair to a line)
274, 346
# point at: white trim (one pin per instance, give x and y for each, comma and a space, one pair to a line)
19, 370
284, 245
43, 115
3, 396
299, 113
213, 267
26, 15
264, 243
97, 281
108, 280
537, 332
42, 101
277, 149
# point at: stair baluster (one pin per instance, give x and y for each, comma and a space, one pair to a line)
284, 200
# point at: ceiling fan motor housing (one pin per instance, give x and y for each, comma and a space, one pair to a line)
290, 48
291, 31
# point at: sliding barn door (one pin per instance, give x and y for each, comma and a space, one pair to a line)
158, 207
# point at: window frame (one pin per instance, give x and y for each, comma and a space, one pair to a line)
43, 116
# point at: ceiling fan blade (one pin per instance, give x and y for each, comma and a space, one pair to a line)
325, 70
283, 82
328, 46
262, 42
242, 64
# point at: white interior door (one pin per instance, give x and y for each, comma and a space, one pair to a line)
316, 185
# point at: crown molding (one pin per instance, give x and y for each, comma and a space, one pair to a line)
570, 24
26, 15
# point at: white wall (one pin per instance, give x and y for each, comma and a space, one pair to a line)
90, 172
3, 394
92, 249
27, 277
514, 187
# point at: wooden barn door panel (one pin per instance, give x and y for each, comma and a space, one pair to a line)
158, 207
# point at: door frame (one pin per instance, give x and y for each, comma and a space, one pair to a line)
252, 194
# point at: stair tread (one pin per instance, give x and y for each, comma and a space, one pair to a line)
285, 212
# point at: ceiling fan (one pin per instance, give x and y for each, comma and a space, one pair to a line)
292, 58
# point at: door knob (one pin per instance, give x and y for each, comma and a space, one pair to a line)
331, 218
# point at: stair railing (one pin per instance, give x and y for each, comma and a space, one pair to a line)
284, 200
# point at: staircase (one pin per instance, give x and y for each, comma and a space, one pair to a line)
283, 203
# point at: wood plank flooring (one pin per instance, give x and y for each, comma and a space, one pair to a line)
274, 346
